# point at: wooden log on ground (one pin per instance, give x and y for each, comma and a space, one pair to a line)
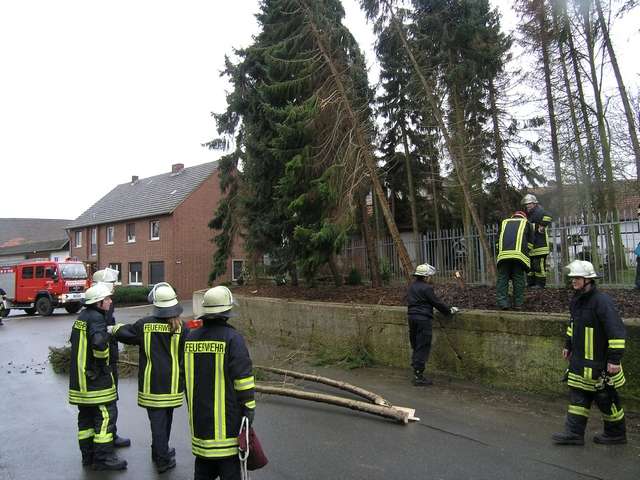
348, 387
401, 416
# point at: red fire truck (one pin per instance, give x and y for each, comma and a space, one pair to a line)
40, 285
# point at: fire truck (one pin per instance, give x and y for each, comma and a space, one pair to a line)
40, 285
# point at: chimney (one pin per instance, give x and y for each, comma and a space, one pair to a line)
134, 179
177, 168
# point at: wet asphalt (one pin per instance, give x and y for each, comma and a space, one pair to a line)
465, 432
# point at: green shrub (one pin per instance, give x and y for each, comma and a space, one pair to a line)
130, 294
385, 271
354, 277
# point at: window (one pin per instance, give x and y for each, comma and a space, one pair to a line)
77, 238
48, 272
131, 232
156, 272
154, 230
94, 241
39, 272
118, 267
110, 234
27, 272
135, 273
236, 270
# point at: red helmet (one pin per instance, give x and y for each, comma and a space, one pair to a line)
520, 214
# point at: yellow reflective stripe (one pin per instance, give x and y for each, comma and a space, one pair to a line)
189, 374
146, 385
209, 443
588, 344
103, 436
546, 218
616, 415
84, 434
618, 379
175, 370
82, 360
588, 373
244, 383
116, 327
570, 331
220, 423
101, 354
616, 343
215, 453
578, 410
251, 404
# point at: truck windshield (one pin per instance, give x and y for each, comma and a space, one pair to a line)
73, 270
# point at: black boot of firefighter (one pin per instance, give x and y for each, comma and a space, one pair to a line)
615, 433
104, 458
121, 442
567, 438
419, 380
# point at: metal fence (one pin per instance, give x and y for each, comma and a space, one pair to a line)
608, 241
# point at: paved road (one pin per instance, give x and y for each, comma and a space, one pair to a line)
464, 433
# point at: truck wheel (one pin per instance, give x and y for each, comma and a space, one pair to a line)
73, 307
44, 306
30, 311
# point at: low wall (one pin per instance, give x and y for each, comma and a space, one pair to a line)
518, 351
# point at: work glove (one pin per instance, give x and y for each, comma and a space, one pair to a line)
454, 310
110, 329
250, 413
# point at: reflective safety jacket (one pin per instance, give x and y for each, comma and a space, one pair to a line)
90, 378
219, 386
515, 241
541, 221
160, 380
595, 337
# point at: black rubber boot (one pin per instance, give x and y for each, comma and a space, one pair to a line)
87, 458
154, 457
112, 462
608, 439
120, 442
567, 438
164, 465
419, 380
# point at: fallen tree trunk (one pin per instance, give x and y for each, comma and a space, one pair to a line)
361, 392
382, 411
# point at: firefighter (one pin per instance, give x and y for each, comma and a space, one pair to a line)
91, 385
538, 254
109, 277
219, 388
420, 302
594, 346
160, 379
514, 243
3, 305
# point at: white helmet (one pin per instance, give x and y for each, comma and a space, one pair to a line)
528, 198
582, 268
218, 300
424, 270
165, 301
106, 275
97, 293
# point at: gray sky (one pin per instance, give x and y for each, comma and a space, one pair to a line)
92, 93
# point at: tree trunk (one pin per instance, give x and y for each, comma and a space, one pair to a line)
370, 244
433, 104
497, 140
436, 216
541, 17
412, 197
364, 146
628, 111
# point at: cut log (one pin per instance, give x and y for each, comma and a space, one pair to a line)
361, 392
402, 416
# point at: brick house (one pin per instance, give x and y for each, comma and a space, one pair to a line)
155, 229
24, 238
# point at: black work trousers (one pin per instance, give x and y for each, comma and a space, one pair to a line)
227, 468
420, 332
609, 404
538, 273
160, 420
96, 426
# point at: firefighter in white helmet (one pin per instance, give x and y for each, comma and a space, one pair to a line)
91, 384
540, 219
420, 302
216, 360
160, 337
594, 345
109, 278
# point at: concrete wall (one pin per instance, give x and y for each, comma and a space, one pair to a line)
515, 351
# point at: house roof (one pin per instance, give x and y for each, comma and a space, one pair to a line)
146, 197
23, 235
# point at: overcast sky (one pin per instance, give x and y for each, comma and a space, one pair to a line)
92, 93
